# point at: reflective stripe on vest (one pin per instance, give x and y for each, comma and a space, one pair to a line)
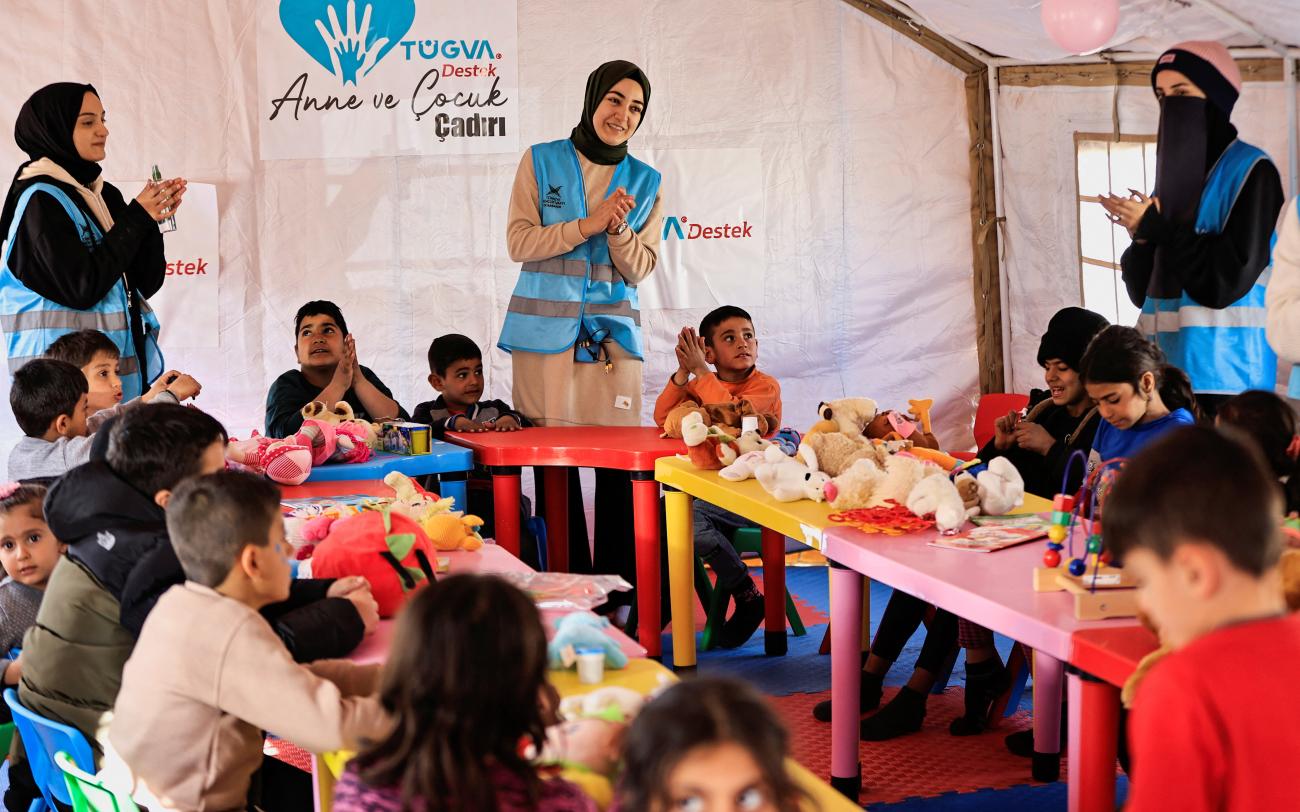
1224, 351
580, 294
1293, 387
31, 322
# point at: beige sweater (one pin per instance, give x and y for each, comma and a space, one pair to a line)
207, 677
1283, 297
555, 390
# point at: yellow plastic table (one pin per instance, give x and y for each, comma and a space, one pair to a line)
641, 675
803, 520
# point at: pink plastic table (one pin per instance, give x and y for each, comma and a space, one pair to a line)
992, 589
557, 449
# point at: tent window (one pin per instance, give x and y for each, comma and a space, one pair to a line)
1108, 166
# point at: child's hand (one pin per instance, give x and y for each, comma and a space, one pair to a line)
690, 352
364, 603
14, 671
468, 426
1004, 430
182, 386
346, 370
344, 587
506, 422
1033, 437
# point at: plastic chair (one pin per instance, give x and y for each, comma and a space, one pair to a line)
89, 793
990, 408
42, 738
745, 540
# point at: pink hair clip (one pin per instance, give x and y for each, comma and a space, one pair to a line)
7, 489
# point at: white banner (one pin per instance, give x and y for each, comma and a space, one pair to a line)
363, 78
187, 305
713, 246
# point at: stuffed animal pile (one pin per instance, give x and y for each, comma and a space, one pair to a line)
327, 436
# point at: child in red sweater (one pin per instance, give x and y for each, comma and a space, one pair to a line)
727, 342
1194, 518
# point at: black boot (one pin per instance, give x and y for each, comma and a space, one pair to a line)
869, 690
985, 682
746, 618
902, 715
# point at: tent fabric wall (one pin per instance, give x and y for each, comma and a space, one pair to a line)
1038, 164
864, 155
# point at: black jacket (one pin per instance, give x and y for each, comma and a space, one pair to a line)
1043, 473
436, 414
119, 536
292, 391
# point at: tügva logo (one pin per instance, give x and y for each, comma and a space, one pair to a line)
682, 229
347, 46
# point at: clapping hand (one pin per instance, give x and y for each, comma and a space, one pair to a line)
611, 211
1128, 211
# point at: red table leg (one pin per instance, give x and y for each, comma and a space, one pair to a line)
774, 642
645, 518
1094, 737
505, 508
557, 518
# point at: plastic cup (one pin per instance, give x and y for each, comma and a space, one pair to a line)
591, 665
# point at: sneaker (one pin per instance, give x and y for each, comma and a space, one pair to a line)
869, 690
902, 715
744, 621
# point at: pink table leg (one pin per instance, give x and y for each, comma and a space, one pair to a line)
645, 519
774, 640
1094, 732
1049, 673
557, 518
846, 677
505, 507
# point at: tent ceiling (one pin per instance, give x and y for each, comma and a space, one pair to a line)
1012, 28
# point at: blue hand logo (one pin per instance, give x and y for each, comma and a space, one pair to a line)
349, 48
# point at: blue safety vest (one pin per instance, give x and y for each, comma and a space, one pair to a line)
1293, 388
578, 297
31, 322
1224, 351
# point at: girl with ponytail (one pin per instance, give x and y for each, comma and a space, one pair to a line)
1139, 394
1271, 422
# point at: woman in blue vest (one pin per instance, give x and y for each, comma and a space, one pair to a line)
76, 255
585, 220
1201, 243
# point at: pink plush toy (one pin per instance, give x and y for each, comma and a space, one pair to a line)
281, 461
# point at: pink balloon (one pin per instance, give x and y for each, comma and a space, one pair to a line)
1080, 26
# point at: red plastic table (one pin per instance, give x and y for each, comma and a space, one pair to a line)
1101, 661
557, 449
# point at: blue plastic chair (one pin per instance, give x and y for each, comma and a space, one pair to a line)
42, 738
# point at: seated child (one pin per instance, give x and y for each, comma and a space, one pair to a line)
465, 685
189, 720
727, 341
456, 373
48, 399
110, 514
1139, 394
97, 357
28, 551
708, 743
328, 371
1271, 423
1194, 519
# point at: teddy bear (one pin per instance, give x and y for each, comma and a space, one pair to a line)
902, 473
893, 425
414, 501
939, 496
854, 488
731, 417
847, 416
708, 447
1001, 487
833, 452
787, 479
673, 422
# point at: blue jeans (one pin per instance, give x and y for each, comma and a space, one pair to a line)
713, 530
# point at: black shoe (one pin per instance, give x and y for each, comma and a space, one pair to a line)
1021, 743
744, 621
869, 690
902, 715
985, 682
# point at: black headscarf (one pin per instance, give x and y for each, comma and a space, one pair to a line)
584, 135
44, 130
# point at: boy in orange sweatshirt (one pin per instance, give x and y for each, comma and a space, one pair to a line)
726, 341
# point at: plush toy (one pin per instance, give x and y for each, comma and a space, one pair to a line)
343, 418
939, 496
787, 479
582, 630
847, 416
969, 489
388, 549
833, 452
673, 422
892, 425
854, 488
744, 466
452, 531
281, 461
414, 501
612, 703
730, 416
587, 742
1001, 487
902, 473
788, 439
708, 447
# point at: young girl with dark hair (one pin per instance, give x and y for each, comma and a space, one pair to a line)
711, 743
1140, 396
464, 686
1271, 423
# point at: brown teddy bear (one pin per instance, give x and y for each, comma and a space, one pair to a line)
673, 422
